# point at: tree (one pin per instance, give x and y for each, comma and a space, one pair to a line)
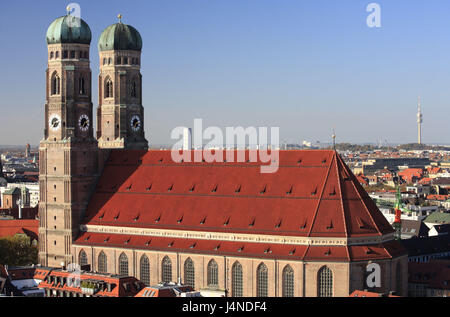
17, 250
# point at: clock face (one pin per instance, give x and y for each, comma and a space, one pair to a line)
54, 122
135, 123
83, 123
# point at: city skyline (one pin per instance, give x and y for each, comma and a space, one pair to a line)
255, 64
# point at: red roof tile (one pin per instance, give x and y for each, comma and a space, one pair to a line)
313, 193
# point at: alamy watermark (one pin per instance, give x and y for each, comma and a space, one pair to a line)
374, 18
222, 147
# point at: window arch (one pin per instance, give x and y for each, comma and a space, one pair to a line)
82, 85
189, 273
236, 280
145, 270
213, 274
288, 281
102, 263
123, 264
55, 84
82, 258
261, 281
108, 88
133, 88
166, 270
325, 282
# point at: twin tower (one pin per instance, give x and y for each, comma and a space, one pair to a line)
70, 155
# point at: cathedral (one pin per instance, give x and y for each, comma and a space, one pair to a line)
109, 202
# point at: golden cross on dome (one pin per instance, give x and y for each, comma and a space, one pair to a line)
120, 17
68, 9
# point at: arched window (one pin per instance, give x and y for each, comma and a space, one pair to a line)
109, 61
166, 270
213, 274
82, 85
123, 264
55, 82
398, 278
145, 270
82, 258
104, 61
261, 281
236, 280
51, 55
288, 281
108, 88
325, 282
102, 263
189, 273
133, 89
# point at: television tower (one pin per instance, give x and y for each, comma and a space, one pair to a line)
419, 123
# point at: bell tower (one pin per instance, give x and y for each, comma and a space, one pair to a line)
120, 114
68, 152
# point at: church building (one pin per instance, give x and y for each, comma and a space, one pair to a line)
107, 201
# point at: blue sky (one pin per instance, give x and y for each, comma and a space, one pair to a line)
305, 66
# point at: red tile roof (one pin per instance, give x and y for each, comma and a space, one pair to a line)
9, 228
369, 294
313, 194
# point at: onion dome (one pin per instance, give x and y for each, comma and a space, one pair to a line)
120, 36
69, 29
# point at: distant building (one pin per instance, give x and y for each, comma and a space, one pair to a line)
168, 290
23, 227
426, 249
371, 294
20, 281
66, 283
430, 279
392, 164
10, 198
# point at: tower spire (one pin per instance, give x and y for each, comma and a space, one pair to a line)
419, 122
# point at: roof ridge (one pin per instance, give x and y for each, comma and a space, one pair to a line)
320, 198
362, 200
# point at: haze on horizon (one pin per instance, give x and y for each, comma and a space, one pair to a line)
304, 66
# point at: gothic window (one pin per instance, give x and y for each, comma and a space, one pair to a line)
236, 280
145, 270
213, 274
82, 258
166, 270
82, 85
125, 60
55, 84
288, 281
123, 264
57, 54
104, 61
261, 281
133, 89
189, 273
108, 88
72, 54
325, 282
118, 60
109, 61
102, 263
65, 54
51, 55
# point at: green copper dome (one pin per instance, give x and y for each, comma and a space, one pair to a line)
69, 29
120, 36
